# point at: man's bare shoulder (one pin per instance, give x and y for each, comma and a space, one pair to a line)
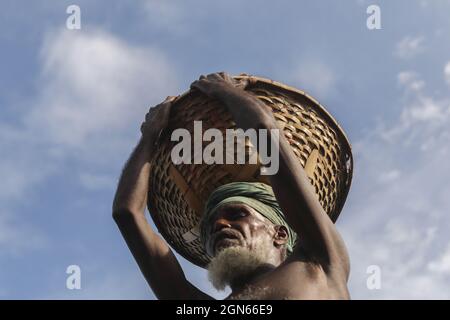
294, 280
304, 278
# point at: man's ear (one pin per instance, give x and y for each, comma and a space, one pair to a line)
281, 236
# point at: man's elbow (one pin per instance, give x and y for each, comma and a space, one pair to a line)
123, 214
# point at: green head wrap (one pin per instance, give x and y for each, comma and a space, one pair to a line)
257, 195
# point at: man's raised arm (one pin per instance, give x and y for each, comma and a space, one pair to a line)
154, 257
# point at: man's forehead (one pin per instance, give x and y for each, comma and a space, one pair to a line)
239, 206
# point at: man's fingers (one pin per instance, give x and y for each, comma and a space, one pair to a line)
154, 109
157, 110
215, 77
227, 77
170, 98
194, 85
198, 84
165, 108
150, 114
244, 83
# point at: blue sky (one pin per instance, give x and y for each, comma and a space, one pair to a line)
71, 103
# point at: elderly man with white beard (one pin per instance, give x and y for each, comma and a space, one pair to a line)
266, 242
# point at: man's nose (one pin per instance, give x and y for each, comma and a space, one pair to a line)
220, 224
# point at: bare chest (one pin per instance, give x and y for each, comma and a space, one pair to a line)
294, 281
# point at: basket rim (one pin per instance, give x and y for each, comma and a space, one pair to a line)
286, 87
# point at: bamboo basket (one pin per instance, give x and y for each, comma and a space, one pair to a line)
178, 192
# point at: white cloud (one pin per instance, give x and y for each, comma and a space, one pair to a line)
93, 83
447, 72
442, 264
21, 169
401, 223
94, 91
389, 176
421, 111
410, 80
427, 109
17, 237
409, 47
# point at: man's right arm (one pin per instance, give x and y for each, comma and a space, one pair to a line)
154, 257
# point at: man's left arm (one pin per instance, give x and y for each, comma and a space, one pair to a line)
318, 236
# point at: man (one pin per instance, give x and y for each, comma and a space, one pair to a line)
249, 229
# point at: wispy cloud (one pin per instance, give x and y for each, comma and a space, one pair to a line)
442, 264
21, 169
95, 84
410, 80
447, 72
94, 91
398, 214
18, 237
410, 47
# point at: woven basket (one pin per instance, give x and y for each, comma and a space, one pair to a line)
178, 192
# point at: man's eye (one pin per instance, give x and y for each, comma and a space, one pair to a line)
239, 214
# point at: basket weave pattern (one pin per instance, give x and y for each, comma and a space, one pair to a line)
178, 192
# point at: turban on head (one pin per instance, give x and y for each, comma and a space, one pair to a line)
257, 195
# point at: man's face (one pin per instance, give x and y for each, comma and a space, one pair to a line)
238, 225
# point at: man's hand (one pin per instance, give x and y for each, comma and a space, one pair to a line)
246, 108
156, 121
215, 85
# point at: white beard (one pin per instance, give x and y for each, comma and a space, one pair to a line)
234, 262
